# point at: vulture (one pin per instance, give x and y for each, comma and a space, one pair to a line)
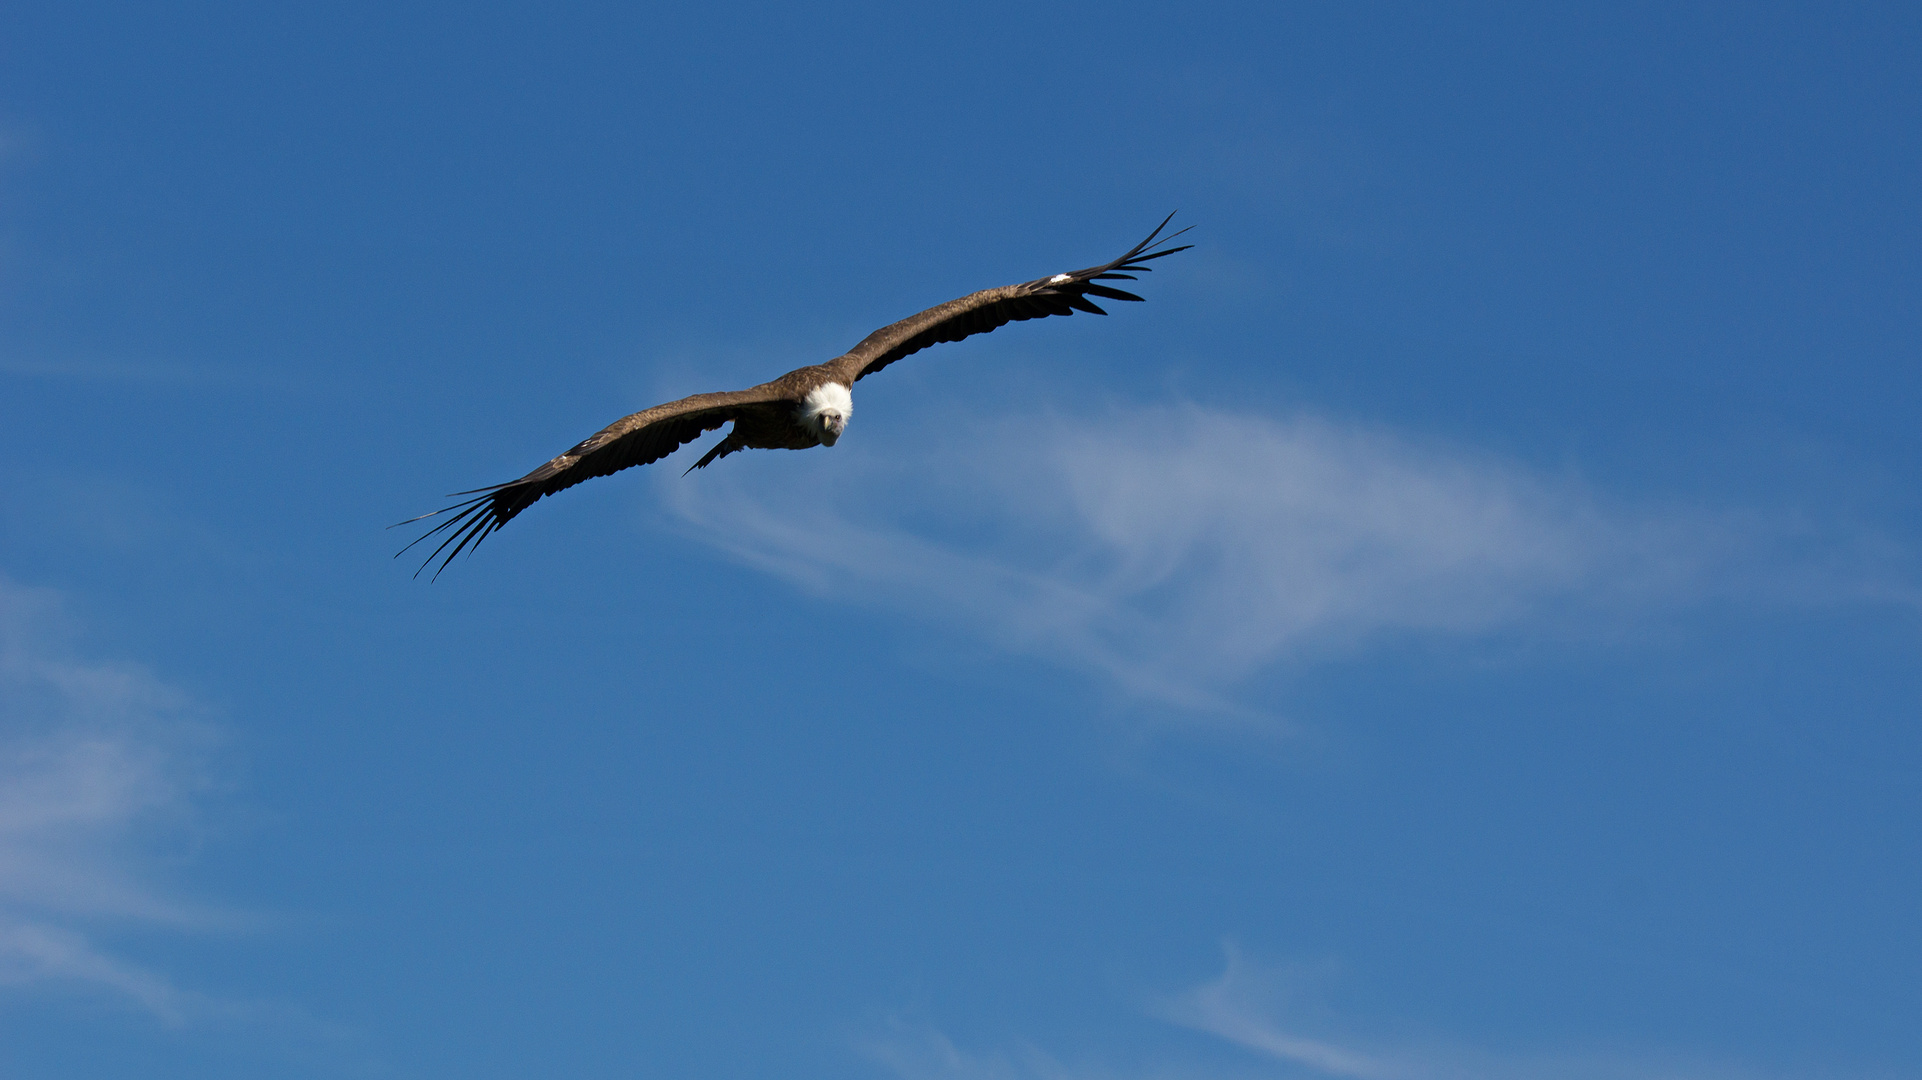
808, 406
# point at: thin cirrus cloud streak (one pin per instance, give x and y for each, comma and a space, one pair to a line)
919, 1052
1261, 1011
1176, 550
1257, 1025
96, 762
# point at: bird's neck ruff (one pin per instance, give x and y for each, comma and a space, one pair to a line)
827, 399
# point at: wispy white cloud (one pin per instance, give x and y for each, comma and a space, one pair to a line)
1228, 1009
920, 1052
97, 760
1268, 1013
1266, 1022
1176, 550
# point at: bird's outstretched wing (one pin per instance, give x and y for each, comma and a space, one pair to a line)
978, 313
643, 437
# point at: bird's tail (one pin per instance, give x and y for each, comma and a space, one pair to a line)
721, 449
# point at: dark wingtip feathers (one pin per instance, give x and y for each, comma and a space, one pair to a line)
1144, 250
1108, 293
1125, 268
473, 520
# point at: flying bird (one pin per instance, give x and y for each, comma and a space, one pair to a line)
808, 406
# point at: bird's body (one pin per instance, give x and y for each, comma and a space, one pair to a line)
809, 406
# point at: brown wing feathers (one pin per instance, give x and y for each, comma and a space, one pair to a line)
654, 433
639, 439
990, 309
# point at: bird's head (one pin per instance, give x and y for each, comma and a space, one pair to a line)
826, 410
829, 426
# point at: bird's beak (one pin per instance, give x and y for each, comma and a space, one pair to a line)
832, 424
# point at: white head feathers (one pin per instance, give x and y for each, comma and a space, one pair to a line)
826, 411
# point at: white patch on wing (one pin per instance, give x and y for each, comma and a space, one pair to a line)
1059, 278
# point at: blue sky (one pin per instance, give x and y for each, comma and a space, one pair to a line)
1465, 625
